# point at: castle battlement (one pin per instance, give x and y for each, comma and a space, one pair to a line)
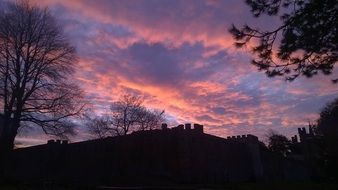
243, 138
186, 127
303, 135
57, 142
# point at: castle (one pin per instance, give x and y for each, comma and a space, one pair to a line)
182, 154
309, 150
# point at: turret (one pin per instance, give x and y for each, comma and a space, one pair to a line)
302, 134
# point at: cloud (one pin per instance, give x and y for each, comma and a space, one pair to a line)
179, 56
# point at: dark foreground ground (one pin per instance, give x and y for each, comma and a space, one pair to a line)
232, 186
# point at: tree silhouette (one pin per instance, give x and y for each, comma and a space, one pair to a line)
278, 143
328, 121
149, 119
126, 115
99, 126
308, 37
36, 62
327, 126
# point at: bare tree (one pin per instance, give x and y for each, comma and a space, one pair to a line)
36, 62
127, 115
99, 126
149, 119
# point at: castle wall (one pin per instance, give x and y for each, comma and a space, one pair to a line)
183, 154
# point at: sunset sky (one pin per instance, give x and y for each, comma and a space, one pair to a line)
179, 56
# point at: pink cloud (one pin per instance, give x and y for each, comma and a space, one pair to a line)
179, 56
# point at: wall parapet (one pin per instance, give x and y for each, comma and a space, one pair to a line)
197, 128
57, 142
243, 138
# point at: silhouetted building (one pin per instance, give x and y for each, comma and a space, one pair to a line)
183, 154
309, 150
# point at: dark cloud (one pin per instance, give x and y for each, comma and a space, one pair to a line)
155, 63
218, 110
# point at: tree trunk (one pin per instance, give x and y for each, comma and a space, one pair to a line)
10, 130
7, 137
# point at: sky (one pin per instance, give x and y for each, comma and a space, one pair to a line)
179, 56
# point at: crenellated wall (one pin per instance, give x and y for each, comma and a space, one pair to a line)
181, 154
243, 138
57, 142
188, 127
303, 135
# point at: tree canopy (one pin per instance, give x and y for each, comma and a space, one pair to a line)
305, 42
328, 120
36, 65
279, 144
327, 127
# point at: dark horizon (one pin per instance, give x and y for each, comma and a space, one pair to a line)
178, 157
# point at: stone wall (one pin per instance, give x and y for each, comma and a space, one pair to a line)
182, 154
